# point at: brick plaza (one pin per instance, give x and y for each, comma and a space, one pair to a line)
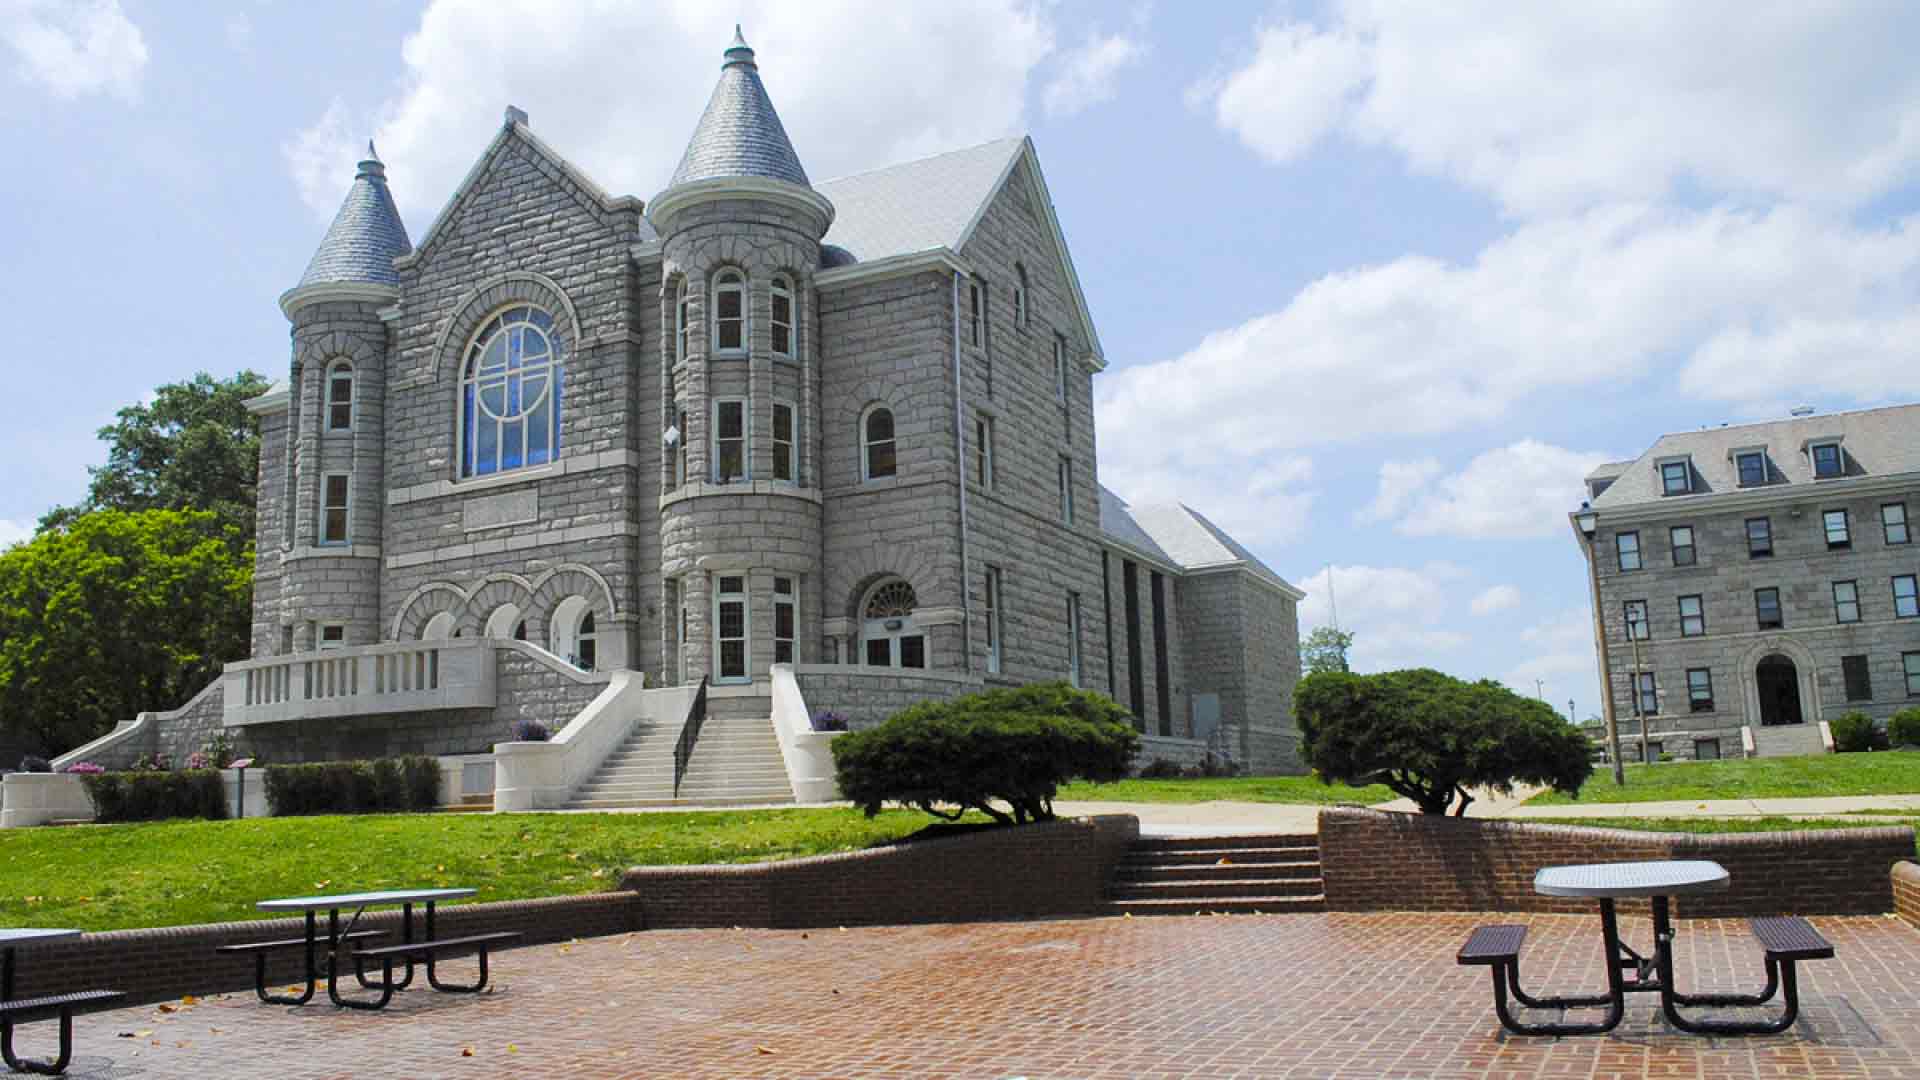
1333, 995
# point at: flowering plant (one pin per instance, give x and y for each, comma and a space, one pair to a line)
829, 720
85, 768
525, 730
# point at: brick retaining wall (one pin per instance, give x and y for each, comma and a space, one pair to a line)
1055, 868
1376, 861
1906, 891
172, 961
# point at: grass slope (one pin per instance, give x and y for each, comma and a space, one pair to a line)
110, 877
1759, 778
1264, 789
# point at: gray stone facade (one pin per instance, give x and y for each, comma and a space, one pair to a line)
1806, 657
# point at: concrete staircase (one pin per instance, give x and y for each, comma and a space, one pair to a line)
1218, 874
736, 761
1787, 740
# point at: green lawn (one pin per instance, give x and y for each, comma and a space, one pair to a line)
1266, 789
1758, 778
1725, 825
109, 877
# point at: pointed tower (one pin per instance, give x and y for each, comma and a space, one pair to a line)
740, 228
326, 453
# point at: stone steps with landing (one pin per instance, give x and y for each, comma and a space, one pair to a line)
736, 761
1787, 740
1218, 874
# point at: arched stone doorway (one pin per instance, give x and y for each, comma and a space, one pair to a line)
1778, 682
889, 635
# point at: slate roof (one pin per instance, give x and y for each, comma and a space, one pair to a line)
366, 235
917, 206
1179, 535
1877, 442
740, 134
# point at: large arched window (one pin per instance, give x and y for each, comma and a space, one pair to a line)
505, 622
889, 636
876, 443
729, 312
510, 391
340, 396
573, 634
783, 336
682, 321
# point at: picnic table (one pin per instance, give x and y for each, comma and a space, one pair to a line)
14, 1010
426, 949
1784, 941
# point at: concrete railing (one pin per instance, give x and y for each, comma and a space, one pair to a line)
808, 753
38, 798
363, 680
544, 775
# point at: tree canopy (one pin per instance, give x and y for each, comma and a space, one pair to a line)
1430, 736
193, 447
1325, 650
114, 613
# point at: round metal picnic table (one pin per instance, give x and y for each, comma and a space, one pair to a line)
1649, 879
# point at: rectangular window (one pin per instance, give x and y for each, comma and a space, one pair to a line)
1162, 682
1693, 617
1676, 478
783, 441
1060, 369
996, 630
1893, 521
1759, 538
1647, 695
729, 440
1906, 597
1136, 678
1827, 461
333, 514
1627, 545
340, 400
983, 330
983, 451
1858, 678
1682, 538
1073, 638
1652, 752
1706, 749
1839, 537
680, 451
1699, 689
784, 606
1846, 602
1753, 468
333, 636
1636, 620
1106, 614
730, 630
1766, 607
1910, 662
973, 311
782, 320
1066, 490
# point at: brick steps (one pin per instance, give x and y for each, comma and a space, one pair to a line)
1218, 875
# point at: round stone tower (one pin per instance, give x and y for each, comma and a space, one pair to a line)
740, 524
331, 532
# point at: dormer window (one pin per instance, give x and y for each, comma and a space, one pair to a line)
730, 312
1676, 476
783, 318
1828, 461
1752, 467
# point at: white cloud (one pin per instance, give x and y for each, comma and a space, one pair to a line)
1555, 106
1266, 502
858, 83
73, 48
1088, 75
1515, 492
1562, 658
1400, 616
239, 31
1400, 481
13, 532
1495, 599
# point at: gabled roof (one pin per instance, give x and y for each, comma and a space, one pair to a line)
1182, 536
740, 134
366, 235
1877, 442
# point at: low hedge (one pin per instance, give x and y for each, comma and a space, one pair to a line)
1903, 729
151, 795
387, 785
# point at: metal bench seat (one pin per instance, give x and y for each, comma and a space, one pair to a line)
419, 949
1493, 945
61, 1005
428, 951
291, 943
1787, 937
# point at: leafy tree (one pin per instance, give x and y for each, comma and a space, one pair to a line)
116, 613
1015, 746
1325, 650
1429, 736
195, 447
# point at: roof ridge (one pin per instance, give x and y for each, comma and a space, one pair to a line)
1810, 417
921, 160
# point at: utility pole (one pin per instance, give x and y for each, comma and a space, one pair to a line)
1586, 521
1634, 627
1333, 601
1540, 689
1572, 714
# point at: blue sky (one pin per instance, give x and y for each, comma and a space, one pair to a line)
1377, 284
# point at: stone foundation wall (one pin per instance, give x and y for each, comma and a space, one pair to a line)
867, 696
1376, 861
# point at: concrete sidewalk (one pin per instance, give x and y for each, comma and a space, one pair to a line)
1817, 807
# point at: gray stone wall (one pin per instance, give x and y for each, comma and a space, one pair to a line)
270, 532
867, 698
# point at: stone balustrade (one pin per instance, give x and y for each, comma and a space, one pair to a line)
362, 680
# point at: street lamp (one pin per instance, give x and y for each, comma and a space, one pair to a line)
1587, 520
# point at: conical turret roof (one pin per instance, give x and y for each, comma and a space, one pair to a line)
739, 135
366, 235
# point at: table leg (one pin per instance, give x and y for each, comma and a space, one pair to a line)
1614, 999
1779, 976
386, 986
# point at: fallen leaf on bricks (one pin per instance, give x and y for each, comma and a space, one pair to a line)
189, 1000
466, 1051
167, 1008
512, 1049
762, 1050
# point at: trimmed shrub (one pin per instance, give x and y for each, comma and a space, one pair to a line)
35, 763
1161, 769
389, 785
1012, 746
1903, 729
150, 795
1853, 733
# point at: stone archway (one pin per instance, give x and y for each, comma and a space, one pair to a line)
1777, 682
1789, 663
890, 636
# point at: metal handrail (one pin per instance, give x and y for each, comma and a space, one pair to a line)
689, 734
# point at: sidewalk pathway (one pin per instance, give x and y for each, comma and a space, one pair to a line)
1818, 807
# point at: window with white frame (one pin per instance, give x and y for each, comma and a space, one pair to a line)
1676, 477
332, 636
983, 451
1893, 522
680, 448
1647, 694
682, 322
1626, 546
729, 440
340, 396
1846, 601
1839, 536
876, 443
1073, 638
783, 441
335, 512
1906, 597
1766, 608
1066, 490
1759, 538
1681, 538
730, 629
1060, 369
1828, 461
783, 335
586, 643
1635, 614
1019, 295
1693, 616
785, 608
1699, 690
1751, 465
510, 394
996, 630
1911, 663
730, 313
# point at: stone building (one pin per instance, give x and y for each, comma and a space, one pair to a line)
819, 446
1753, 581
